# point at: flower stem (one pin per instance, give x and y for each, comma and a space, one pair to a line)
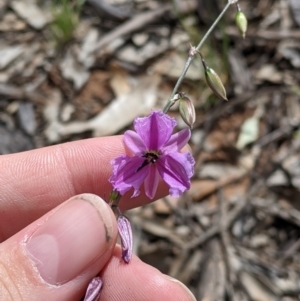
114, 200
192, 54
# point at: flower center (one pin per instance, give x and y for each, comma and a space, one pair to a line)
150, 157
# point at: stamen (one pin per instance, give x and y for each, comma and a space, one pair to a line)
151, 157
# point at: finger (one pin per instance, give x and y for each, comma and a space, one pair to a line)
55, 257
138, 281
34, 182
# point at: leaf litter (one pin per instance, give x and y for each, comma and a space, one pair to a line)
235, 234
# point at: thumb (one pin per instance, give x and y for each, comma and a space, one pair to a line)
55, 257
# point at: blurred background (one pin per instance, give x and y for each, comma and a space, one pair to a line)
77, 69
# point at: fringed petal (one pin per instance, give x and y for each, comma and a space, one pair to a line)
176, 170
127, 173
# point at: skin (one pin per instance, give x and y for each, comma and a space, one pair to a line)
33, 186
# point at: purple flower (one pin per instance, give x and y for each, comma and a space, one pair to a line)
156, 154
125, 233
93, 290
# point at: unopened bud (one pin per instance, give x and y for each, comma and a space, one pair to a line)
125, 233
187, 111
241, 23
93, 290
214, 82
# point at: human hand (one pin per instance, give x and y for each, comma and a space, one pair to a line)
51, 248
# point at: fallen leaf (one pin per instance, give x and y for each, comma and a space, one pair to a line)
30, 12
249, 132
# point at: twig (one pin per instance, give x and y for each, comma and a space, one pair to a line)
294, 248
20, 93
216, 229
109, 10
290, 215
140, 21
228, 249
223, 205
131, 25
266, 34
276, 135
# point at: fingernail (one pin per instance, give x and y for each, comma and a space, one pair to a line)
76, 235
188, 292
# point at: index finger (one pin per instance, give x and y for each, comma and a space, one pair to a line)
34, 182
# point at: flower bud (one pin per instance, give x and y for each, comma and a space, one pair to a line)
187, 111
241, 23
214, 82
125, 233
93, 290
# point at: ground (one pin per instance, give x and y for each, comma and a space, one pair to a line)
75, 72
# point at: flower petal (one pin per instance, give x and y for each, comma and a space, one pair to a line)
93, 290
125, 232
176, 169
151, 181
134, 142
126, 174
177, 142
155, 130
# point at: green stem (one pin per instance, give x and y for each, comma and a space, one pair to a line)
115, 198
192, 54
213, 26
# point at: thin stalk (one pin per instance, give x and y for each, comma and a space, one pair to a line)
192, 54
213, 26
